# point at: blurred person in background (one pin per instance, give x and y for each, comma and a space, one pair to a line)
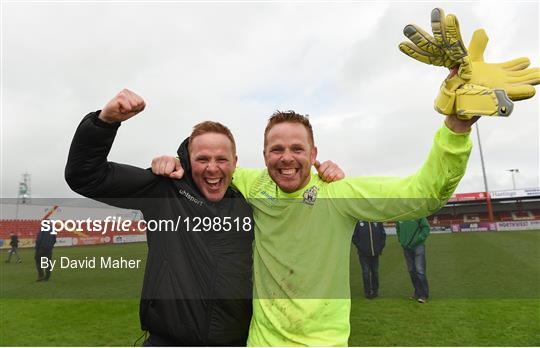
14, 243
369, 239
44, 247
412, 235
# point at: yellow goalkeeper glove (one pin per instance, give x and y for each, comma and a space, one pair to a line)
511, 76
444, 48
469, 100
490, 88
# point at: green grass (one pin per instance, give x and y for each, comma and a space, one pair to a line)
485, 291
19, 280
484, 288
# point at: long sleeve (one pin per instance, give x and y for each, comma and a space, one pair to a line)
90, 174
425, 224
383, 237
39, 239
412, 197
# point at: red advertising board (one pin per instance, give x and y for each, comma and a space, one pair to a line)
470, 196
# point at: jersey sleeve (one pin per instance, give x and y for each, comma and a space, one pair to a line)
412, 197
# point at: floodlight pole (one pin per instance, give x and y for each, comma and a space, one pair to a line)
488, 198
515, 170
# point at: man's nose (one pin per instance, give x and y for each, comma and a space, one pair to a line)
287, 157
212, 166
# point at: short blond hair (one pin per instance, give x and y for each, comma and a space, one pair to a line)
291, 117
212, 127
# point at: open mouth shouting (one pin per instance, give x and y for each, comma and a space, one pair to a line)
213, 184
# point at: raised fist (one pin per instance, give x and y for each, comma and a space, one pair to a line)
123, 106
168, 166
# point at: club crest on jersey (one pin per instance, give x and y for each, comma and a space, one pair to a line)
310, 195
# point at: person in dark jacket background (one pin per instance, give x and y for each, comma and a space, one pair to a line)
14, 243
45, 242
369, 239
197, 284
412, 235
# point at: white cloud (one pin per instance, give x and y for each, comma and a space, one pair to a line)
239, 62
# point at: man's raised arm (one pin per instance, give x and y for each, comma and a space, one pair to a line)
87, 170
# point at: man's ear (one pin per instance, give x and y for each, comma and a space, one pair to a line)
264, 156
313, 154
235, 161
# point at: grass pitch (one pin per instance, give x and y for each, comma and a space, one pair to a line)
485, 291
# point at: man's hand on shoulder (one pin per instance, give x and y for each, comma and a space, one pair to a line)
123, 106
329, 171
168, 166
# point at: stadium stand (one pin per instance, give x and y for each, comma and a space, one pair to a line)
28, 225
512, 210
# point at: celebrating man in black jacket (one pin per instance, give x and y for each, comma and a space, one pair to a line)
197, 283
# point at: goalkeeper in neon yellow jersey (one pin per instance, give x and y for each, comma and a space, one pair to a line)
303, 226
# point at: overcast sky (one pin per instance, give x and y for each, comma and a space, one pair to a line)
238, 62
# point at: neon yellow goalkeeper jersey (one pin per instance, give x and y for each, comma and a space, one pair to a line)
302, 240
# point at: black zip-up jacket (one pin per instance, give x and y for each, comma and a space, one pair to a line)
369, 238
45, 240
197, 285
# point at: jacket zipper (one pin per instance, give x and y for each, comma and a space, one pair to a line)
371, 239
